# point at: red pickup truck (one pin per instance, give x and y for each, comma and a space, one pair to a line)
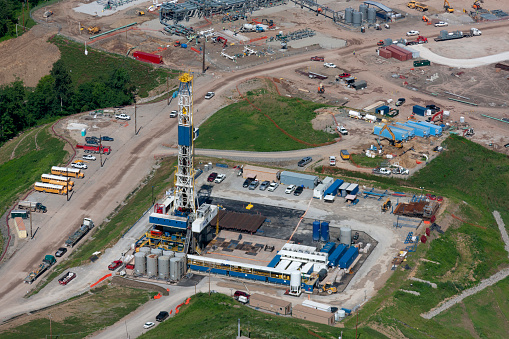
114, 265
67, 278
317, 58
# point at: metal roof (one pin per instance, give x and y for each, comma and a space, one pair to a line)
379, 5
299, 175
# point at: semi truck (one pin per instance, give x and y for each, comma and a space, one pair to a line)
80, 233
32, 206
67, 172
444, 35
48, 261
87, 148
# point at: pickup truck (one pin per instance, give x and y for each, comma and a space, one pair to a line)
123, 116
343, 130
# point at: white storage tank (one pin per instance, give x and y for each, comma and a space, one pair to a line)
349, 15
157, 251
152, 265
371, 15
295, 279
174, 268
140, 262
179, 254
462, 119
341, 314
163, 265
170, 254
346, 236
354, 114
357, 19
145, 249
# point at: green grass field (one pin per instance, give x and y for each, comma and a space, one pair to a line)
241, 127
217, 316
82, 315
364, 161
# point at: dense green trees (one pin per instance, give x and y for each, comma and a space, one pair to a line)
57, 95
10, 10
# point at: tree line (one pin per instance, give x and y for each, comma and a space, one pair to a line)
22, 107
10, 10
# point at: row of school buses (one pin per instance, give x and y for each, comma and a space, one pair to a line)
59, 181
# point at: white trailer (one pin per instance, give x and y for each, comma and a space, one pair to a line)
317, 306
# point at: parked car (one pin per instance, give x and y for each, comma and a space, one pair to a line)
298, 190
148, 325
67, 278
400, 101
240, 293
290, 189
114, 265
92, 140
344, 75
247, 182
441, 24
317, 58
330, 65
88, 157
254, 184
212, 177
60, 252
122, 116
79, 165
273, 186
411, 33
332, 160
381, 170
209, 95
162, 316
219, 179
304, 161
173, 114
440, 199
106, 138
264, 185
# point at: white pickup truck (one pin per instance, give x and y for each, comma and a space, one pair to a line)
123, 116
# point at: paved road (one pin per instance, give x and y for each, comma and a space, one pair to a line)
460, 63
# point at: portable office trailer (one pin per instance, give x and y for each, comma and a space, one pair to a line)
270, 304
333, 189
399, 134
342, 189
316, 306
318, 191
314, 315
384, 109
260, 173
347, 259
299, 179
352, 189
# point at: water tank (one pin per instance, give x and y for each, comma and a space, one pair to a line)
462, 119
363, 9
145, 249
371, 15
341, 314
324, 231
152, 265
157, 251
179, 254
163, 265
349, 15
322, 274
357, 18
346, 236
170, 254
295, 279
446, 113
140, 262
174, 268
316, 230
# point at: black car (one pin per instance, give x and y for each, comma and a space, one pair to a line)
304, 161
247, 182
92, 140
106, 138
434, 108
298, 190
61, 251
162, 316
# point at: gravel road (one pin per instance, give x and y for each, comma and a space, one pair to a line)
460, 63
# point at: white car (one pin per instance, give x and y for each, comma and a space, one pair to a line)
411, 33
209, 95
149, 325
123, 116
173, 114
330, 65
290, 189
332, 160
441, 24
79, 165
272, 187
88, 157
219, 179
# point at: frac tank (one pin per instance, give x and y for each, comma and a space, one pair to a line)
157, 251
140, 263
349, 15
357, 19
152, 265
324, 231
163, 263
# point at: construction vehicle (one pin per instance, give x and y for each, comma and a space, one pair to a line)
447, 7
321, 89
418, 6
468, 132
140, 13
48, 261
32, 206
93, 29
437, 117
393, 142
426, 19
220, 39
420, 40
380, 43
94, 148
477, 4
47, 14
87, 225
386, 205
329, 288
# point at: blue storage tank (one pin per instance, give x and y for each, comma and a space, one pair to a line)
316, 230
384, 109
333, 189
324, 231
409, 130
419, 110
274, 261
420, 131
348, 258
338, 252
399, 134
328, 248
434, 129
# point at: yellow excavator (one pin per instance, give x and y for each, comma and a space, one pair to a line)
447, 6
418, 6
387, 205
393, 141
477, 4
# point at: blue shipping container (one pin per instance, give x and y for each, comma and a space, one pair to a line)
338, 252
333, 189
382, 110
348, 258
413, 123
352, 189
316, 230
274, 261
419, 110
433, 128
328, 248
417, 132
324, 231
420, 131
399, 134
409, 130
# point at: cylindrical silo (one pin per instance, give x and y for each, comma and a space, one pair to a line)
316, 230
163, 265
346, 236
363, 9
145, 250
180, 254
170, 254
174, 266
349, 15
357, 18
371, 15
140, 262
157, 251
295, 282
152, 265
324, 231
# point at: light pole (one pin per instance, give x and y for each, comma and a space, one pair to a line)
422, 191
152, 195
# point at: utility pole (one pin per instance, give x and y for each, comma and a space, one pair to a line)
31, 225
100, 150
357, 324
135, 129
50, 334
203, 56
168, 88
67, 183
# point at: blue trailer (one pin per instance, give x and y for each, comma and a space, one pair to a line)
328, 248
434, 129
342, 189
384, 109
419, 130
399, 134
348, 258
338, 252
352, 189
419, 110
274, 261
333, 189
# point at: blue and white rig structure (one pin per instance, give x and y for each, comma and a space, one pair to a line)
179, 224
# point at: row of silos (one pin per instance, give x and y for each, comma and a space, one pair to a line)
365, 13
165, 265
320, 231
